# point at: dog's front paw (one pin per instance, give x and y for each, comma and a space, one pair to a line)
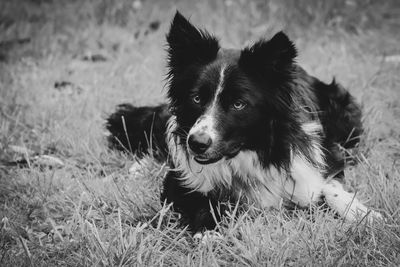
207, 236
374, 216
135, 169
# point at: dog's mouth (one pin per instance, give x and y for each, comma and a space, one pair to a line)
206, 161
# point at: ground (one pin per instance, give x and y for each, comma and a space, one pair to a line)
67, 200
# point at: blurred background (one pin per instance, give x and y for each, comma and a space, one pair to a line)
70, 62
66, 64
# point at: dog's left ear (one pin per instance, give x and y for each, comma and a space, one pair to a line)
189, 45
270, 58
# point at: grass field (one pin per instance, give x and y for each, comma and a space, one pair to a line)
64, 65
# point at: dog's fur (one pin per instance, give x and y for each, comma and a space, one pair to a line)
244, 125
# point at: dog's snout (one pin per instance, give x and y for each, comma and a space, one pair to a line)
199, 142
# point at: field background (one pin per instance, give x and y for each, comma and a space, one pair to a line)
64, 65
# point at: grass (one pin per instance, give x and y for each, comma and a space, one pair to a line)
64, 65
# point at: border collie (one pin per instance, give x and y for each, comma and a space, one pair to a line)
244, 125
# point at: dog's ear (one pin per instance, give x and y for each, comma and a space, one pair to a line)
272, 59
188, 45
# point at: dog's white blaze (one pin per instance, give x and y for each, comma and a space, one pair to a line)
220, 83
207, 122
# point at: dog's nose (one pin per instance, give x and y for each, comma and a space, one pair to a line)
199, 142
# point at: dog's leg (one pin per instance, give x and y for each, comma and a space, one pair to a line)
309, 186
207, 236
346, 204
199, 211
139, 130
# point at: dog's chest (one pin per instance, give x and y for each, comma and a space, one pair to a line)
244, 177
301, 185
262, 187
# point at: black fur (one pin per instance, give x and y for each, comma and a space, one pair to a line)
197, 209
139, 129
280, 96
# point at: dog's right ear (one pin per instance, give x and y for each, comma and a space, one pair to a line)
188, 45
270, 59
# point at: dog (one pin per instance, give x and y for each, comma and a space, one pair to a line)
244, 126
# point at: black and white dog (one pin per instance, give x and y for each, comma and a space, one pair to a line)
244, 125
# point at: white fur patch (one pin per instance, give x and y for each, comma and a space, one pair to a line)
205, 124
307, 182
207, 237
314, 129
346, 204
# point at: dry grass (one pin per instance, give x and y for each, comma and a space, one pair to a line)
90, 211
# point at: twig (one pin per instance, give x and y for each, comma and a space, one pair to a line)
26, 249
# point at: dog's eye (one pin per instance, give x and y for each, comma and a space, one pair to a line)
196, 99
239, 105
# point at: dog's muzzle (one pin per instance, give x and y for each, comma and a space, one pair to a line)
199, 142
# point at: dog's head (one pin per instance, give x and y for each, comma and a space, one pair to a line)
225, 100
